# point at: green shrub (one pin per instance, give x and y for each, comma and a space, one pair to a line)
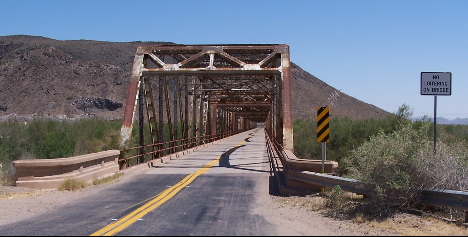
402, 163
345, 135
12, 143
335, 200
94, 135
47, 139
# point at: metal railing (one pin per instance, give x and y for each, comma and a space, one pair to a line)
141, 154
276, 156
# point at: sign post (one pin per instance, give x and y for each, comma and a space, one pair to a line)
323, 131
436, 83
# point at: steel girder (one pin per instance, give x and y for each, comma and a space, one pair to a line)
210, 89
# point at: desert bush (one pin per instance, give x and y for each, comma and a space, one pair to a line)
335, 200
446, 168
402, 163
345, 135
7, 174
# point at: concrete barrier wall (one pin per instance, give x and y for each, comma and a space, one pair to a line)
50, 173
310, 165
294, 163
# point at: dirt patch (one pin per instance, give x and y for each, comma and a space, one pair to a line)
405, 224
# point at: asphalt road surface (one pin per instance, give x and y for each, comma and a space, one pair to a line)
211, 191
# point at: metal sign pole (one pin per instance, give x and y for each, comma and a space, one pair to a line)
435, 123
436, 83
324, 155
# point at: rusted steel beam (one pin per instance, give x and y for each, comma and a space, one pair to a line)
286, 99
206, 71
244, 104
164, 48
214, 115
200, 116
194, 114
130, 105
161, 83
168, 111
175, 105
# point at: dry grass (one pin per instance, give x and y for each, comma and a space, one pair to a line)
72, 184
402, 223
311, 202
410, 225
108, 179
6, 179
11, 195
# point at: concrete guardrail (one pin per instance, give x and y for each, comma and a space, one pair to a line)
50, 173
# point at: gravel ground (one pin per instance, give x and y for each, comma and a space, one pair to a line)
297, 216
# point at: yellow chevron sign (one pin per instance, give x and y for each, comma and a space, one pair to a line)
323, 118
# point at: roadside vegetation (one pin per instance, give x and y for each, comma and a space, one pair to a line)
47, 139
347, 134
395, 153
397, 156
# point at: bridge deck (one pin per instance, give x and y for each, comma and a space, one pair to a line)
244, 152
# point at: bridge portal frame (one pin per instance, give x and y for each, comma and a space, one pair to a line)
215, 88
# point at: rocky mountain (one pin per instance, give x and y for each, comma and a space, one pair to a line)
82, 78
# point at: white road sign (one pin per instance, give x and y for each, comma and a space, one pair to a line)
436, 83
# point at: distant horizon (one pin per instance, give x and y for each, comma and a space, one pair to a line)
443, 120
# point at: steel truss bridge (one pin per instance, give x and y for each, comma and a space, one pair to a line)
186, 95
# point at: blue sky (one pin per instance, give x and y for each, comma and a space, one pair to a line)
373, 50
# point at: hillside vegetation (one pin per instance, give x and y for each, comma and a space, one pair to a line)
394, 153
347, 134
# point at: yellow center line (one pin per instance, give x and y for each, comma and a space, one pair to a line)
158, 200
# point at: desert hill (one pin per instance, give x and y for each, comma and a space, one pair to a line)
85, 78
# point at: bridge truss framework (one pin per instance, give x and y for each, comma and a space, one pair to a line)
192, 91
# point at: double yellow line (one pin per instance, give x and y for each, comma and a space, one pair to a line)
132, 217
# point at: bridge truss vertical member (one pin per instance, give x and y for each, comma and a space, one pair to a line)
219, 89
151, 115
286, 99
